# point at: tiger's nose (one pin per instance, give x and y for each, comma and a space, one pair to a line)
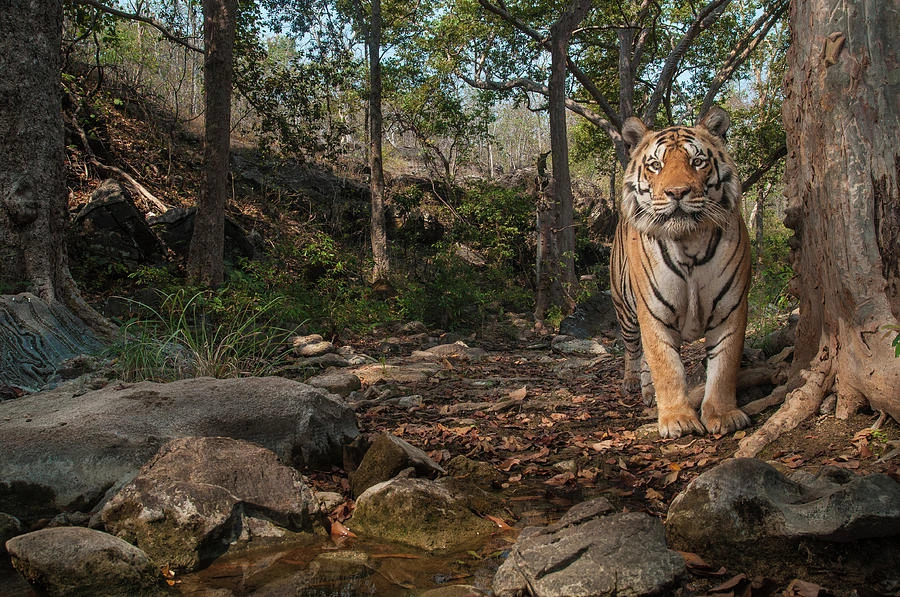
677, 193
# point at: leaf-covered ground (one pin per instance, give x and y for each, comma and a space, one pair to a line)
560, 430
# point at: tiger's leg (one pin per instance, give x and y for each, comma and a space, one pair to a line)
661, 349
720, 413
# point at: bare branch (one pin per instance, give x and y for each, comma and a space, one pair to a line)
754, 177
745, 46
177, 39
708, 15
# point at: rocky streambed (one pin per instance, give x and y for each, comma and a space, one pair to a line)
435, 469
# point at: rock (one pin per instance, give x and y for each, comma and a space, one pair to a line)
388, 455
587, 554
592, 318
481, 474
412, 328
420, 513
62, 451
336, 382
74, 561
198, 496
311, 346
576, 346
408, 373
110, 228
55, 335
744, 501
9, 528
176, 227
454, 591
458, 350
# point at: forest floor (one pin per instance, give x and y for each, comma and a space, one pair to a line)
559, 435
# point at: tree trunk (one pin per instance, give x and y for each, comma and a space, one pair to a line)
843, 164
207, 253
378, 233
33, 197
557, 269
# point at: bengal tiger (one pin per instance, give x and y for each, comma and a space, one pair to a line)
680, 270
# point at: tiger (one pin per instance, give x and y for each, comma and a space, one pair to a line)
680, 270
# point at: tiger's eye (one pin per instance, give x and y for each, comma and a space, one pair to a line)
698, 162
654, 165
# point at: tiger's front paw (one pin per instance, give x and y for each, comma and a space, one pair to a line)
730, 421
678, 422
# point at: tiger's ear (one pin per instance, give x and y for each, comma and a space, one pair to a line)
716, 121
633, 131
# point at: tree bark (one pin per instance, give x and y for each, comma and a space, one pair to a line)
207, 252
558, 264
378, 232
33, 197
841, 117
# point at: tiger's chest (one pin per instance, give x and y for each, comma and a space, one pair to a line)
685, 281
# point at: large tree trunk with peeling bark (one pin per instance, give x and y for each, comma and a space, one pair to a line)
843, 166
33, 197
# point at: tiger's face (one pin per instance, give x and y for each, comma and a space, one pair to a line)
679, 179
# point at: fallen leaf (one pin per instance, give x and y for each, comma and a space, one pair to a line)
699, 566
519, 395
339, 530
501, 524
507, 464
652, 494
801, 588
560, 479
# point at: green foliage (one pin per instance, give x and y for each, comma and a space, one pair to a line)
200, 334
896, 341
498, 221
769, 299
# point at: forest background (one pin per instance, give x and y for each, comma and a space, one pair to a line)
466, 132
467, 125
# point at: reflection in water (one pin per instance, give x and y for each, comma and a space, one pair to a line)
353, 569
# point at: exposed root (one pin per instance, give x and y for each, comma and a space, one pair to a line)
799, 404
757, 406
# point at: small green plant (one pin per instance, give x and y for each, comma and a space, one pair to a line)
896, 341
191, 335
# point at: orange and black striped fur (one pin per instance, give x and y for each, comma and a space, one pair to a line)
680, 270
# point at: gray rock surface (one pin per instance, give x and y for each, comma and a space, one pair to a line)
60, 450
80, 562
589, 553
35, 340
10, 526
198, 496
745, 500
388, 455
336, 381
418, 512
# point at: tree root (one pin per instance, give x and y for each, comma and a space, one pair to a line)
798, 405
757, 406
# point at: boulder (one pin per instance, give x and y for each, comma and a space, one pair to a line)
111, 229
594, 317
63, 451
198, 496
9, 528
588, 553
418, 512
336, 381
80, 562
745, 501
388, 455
578, 346
176, 227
